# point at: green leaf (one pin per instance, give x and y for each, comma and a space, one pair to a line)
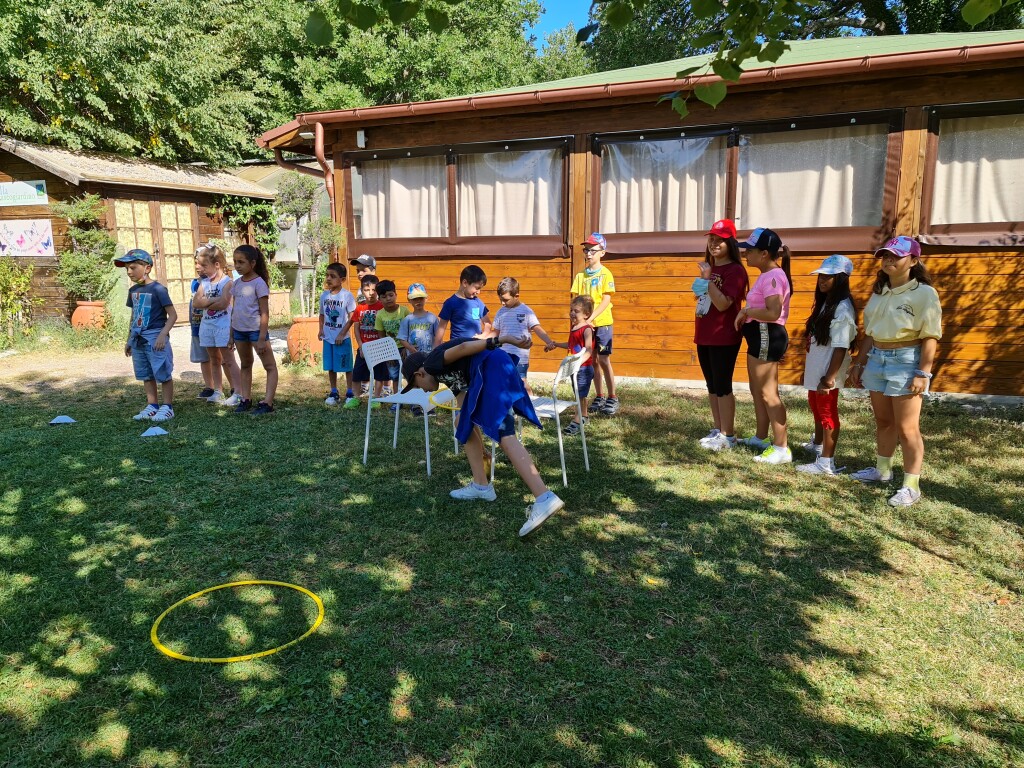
772, 51
618, 14
976, 11
364, 17
344, 7
669, 96
711, 94
453, 2
679, 105
726, 70
318, 28
686, 72
705, 9
585, 32
438, 21
402, 11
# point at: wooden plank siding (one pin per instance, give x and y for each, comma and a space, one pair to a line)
653, 306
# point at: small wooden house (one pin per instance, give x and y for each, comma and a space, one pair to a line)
837, 146
162, 208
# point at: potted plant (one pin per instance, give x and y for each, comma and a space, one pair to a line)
85, 268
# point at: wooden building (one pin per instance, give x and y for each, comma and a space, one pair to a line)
837, 146
159, 207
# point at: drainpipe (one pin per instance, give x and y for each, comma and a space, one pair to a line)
327, 173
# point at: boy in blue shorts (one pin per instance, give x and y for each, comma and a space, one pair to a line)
336, 304
464, 310
153, 316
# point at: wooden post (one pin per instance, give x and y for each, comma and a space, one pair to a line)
912, 166
580, 201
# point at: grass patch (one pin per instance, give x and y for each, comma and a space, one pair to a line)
686, 610
57, 335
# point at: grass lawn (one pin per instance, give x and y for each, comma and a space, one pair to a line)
685, 610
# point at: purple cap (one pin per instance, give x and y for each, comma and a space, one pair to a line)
901, 246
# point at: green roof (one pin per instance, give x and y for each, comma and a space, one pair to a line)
800, 52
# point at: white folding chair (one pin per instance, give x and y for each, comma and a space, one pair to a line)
445, 399
383, 351
552, 407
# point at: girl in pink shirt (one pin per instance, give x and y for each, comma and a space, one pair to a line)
763, 323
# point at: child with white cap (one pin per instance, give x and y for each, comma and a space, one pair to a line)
831, 331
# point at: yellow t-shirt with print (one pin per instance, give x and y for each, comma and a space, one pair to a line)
595, 286
907, 313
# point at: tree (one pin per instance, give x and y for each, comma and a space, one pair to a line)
562, 56
660, 31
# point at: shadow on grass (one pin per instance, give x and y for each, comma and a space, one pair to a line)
668, 618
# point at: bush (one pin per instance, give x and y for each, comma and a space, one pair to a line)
15, 302
86, 270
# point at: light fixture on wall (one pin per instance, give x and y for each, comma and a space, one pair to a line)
308, 135
361, 138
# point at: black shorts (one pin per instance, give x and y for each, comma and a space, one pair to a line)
766, 341
718, 363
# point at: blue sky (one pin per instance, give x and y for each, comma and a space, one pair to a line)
558, 13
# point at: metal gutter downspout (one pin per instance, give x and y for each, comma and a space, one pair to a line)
327, 173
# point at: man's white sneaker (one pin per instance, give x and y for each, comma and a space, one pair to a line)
719, 443
146, 414
539, 512
817, 468
756, 442
163, 413
775, 455
231, 402
870, 475
472, 493
904, 497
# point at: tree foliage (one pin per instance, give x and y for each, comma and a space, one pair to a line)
86, 270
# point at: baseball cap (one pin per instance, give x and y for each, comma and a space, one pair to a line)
764, 240
835, 264
596, 238
724, 228
135, 254
901, 246
365, 260
409, 367
417, 291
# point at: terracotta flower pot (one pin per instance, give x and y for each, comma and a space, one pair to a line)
89, 314
302, 339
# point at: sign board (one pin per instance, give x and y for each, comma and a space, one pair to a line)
26, 237
23, 193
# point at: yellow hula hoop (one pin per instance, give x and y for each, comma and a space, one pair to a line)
448, 406
229, 659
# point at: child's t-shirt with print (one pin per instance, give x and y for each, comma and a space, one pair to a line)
336, 308
364, 320
212, 290
578, 340
595, 284
516, 322
245, 307
465, 317
770, 283
842, 332
419, 331
149, 304
388, 323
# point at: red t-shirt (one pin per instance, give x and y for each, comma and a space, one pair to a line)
578, 340
713, 326
364, 319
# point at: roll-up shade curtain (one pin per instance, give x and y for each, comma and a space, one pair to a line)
510, 193
404, 197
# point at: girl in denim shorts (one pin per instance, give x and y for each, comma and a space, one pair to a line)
902, 326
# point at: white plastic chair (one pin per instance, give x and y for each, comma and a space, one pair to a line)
552, 407
383, 351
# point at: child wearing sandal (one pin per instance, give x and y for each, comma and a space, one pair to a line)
902, 327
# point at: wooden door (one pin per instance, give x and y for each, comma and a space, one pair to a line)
177, 237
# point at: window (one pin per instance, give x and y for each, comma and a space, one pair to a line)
510, 193
823, 177
401, 197
132, 225
662, 185
979, 170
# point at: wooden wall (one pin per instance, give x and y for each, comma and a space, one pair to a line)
654, 307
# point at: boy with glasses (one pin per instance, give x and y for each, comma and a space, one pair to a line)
596, 281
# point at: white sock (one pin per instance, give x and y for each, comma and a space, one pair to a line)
827, 463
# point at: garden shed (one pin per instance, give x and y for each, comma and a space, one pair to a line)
837, 145
160, 207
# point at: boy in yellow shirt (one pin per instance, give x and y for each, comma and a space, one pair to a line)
597, 282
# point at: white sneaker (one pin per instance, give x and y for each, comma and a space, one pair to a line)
812, 447
231, 402
871, 475
775, 455
216, 397
163, 413
472, 493
539, 512
820, 467
756, 442
709, 436
720, 442
904, 497
332, 400
147, 413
